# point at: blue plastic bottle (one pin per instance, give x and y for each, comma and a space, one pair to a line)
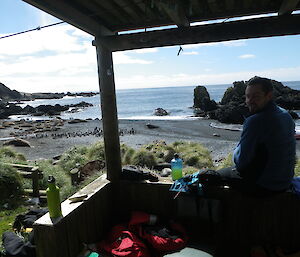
176, 166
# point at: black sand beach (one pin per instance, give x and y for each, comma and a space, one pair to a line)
134, 133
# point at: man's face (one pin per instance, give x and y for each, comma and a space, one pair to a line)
256, 98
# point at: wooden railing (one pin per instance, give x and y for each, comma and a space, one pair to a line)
33, 173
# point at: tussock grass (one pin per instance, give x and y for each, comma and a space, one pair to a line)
144, 158
96, 151
193, 154
62, 178
227, 162
9, 155
11, 185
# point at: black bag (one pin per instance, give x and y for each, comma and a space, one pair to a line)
15, 246
210, 178
26, 220
135, 173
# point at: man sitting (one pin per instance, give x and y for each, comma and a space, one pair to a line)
265, 156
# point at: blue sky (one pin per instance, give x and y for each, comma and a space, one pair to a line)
62, 58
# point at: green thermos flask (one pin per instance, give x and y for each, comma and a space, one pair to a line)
53, 198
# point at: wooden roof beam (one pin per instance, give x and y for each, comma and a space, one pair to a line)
176, 12
288, 6
243, 29
71, 15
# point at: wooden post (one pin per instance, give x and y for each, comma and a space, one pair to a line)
35, 182
109, 111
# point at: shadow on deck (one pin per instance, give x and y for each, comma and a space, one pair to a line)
235, 223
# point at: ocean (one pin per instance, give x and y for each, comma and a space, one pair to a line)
141, 103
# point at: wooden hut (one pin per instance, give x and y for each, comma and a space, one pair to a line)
111, 199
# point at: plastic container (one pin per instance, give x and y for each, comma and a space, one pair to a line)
176, 166
53, 198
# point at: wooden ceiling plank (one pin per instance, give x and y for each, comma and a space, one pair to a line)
105, 9
136, 11
122, 11
175, 13
196, 7
243, 29
71, 15
288, 6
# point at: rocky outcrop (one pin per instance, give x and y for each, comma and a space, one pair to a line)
18, 143
13, 95
202, 100
7, 110
7, 94
232, 107
160, 112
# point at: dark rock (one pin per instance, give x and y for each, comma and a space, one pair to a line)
81, 104
91, 167
6, 93
150, 126
161, 166
235, 94
18, 142
202, 99
232, 113
9, 109
160, 112
233, 108
76, 121
28, 109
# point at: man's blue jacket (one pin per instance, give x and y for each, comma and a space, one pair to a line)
266, 152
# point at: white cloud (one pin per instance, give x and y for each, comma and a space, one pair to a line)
190, 53
123, 58
58, 39
247, 56
59, 58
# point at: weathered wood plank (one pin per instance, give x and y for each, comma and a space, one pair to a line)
109, 111
28, 168
26, 174
67, 233
175, 13
288, 6
254, 28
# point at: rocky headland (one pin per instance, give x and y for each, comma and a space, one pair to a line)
7, 94
8, 106
232, 107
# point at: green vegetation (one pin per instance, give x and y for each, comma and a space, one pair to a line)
193, 154
7, 218
227, 162
11, 186
8, 155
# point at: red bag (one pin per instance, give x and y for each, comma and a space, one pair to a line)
122, 242
162, 238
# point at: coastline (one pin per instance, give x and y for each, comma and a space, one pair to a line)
219, 139
220, 142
